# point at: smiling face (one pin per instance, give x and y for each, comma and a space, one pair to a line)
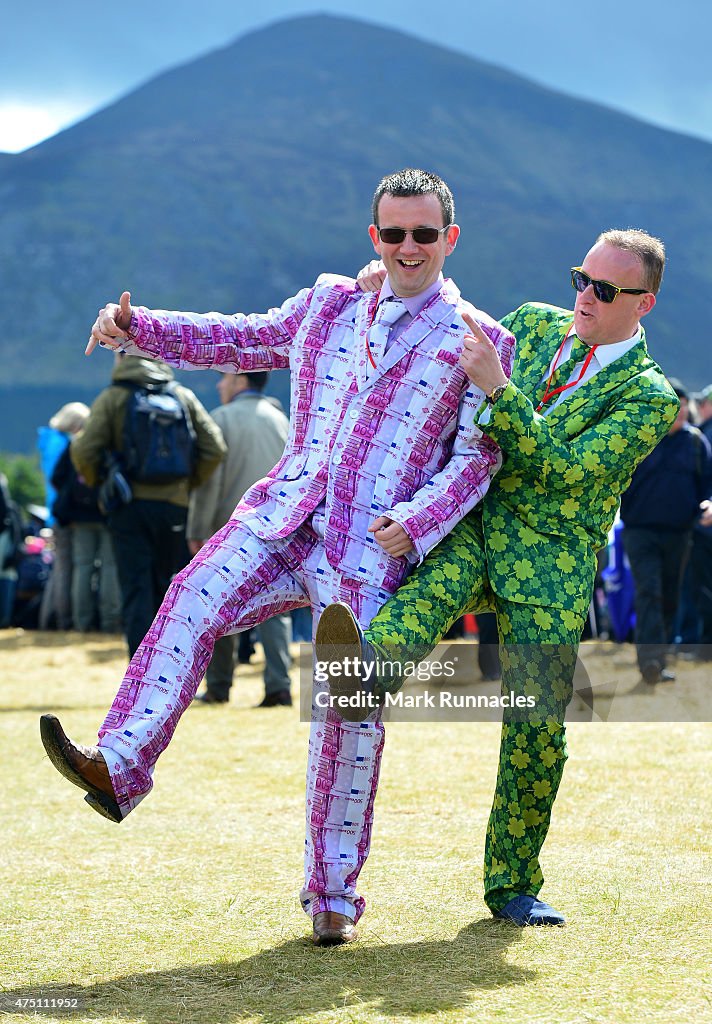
411, 267
602, 323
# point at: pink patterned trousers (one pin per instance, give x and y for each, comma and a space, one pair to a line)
237, 581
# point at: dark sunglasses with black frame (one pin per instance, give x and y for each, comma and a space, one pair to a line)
421, 236
603, 290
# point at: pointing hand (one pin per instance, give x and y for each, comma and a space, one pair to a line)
479, 358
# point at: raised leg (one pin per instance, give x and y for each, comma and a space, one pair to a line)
451, 581
235, 581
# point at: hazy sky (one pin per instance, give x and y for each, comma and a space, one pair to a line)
59, 62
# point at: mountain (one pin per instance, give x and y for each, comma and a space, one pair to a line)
234, 180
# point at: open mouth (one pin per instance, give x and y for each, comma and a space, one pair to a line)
410, 263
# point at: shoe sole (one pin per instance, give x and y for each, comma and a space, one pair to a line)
334, 938
105, 806
530, 922
324, 941
101, 802
337, 638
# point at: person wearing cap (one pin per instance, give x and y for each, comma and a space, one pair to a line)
148, 532
668, 494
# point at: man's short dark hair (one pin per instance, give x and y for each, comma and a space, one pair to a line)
257, 380
413, 182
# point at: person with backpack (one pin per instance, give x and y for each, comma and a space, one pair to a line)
147, 443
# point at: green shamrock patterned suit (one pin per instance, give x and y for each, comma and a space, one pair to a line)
528, 553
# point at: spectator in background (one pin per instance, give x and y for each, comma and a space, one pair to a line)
701, 558
658, 510
704, 411
149, 531
52, 441
76, 509
488, 658
10, 539
255, 432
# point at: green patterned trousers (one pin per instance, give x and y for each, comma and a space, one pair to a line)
538, 658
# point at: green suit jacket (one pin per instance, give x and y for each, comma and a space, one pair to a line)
552, 504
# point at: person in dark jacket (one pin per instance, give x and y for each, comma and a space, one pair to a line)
668, 494
52, 441
701, 556
10, 537
76, 509
149, 531
704, 411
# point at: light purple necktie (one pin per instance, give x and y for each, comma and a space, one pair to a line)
389, 312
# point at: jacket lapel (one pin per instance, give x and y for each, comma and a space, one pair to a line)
442, 308
595, 390
532, 364
365, 312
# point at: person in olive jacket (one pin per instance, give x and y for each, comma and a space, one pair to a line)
149, 531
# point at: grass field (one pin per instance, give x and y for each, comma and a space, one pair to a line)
188, 910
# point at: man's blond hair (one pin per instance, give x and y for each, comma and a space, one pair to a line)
649, 250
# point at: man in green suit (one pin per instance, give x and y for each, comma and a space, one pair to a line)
585, 404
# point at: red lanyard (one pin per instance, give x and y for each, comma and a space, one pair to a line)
370, 325
572, 383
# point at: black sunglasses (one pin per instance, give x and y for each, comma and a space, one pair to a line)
421, 236
603, 290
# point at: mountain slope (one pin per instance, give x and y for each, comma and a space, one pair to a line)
231, 182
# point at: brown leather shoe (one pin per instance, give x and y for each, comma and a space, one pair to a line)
332, 929
340, 645
84, 766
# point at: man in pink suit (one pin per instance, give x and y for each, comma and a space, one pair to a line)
383, 459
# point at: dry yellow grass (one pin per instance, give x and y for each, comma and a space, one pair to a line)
188, 911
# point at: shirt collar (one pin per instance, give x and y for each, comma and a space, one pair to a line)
247, 393
413, 303
607, 354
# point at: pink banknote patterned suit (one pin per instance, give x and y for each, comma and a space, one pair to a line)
400, 442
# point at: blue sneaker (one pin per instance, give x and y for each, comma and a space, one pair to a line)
524, 910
